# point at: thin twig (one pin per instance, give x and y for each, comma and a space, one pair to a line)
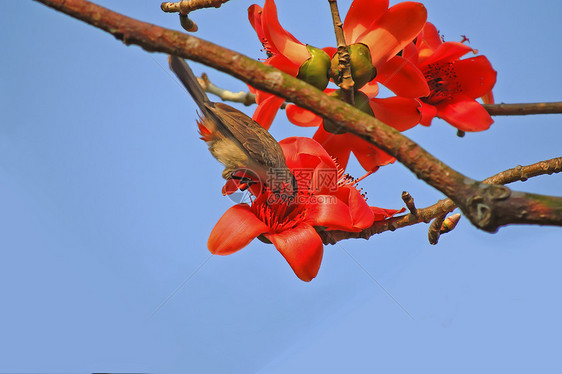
488, 207
518, 173
184, 7
523, 109
246, 98
409, 201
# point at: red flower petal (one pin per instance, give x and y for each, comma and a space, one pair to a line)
302, 117
381, 213
396, 28
465, 114
428, 112
237, 227
302, 248
402, 113
331, 213
254, 16
281, 40
357, 215
488, 98
242, 182
267, 110
371, 89
361, 14
338, 146
331, 51
299, 144
230, 187
430, 37
306, 153
446, 52
410, 53
284, 64
475, 75
361, 214
403, 78
369, 156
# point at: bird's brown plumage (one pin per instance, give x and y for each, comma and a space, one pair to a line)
234, 139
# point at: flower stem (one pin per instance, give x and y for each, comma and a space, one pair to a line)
347, 83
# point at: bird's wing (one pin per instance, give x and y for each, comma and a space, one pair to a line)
256, 140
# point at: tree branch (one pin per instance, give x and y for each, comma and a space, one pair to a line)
442, 207
344, 59
487, 206
502, 109
246, 98
523, 109
184, 7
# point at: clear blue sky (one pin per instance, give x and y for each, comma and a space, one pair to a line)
107, 197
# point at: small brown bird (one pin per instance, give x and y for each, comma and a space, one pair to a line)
241, 144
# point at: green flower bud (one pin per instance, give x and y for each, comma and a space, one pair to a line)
315, 70
361, 103
362, 69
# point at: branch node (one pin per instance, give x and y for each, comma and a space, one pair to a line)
435, 229
184, 7
409, 201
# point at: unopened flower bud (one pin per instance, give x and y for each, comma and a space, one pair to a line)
362, 69
187, 24
450, 223
315, 70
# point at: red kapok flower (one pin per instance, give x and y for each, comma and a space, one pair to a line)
454, 83
281, 222
402, 113
334, 201
375, 34
287, 54
291, 224
386, 31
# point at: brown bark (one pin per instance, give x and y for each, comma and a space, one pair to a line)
519, 173
487, 206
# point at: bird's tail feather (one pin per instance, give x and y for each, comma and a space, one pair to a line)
188, 79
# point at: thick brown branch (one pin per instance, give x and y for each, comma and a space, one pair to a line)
523, 109
518, 173
487, 206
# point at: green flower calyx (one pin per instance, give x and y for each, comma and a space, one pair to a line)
315, 70
362, 69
